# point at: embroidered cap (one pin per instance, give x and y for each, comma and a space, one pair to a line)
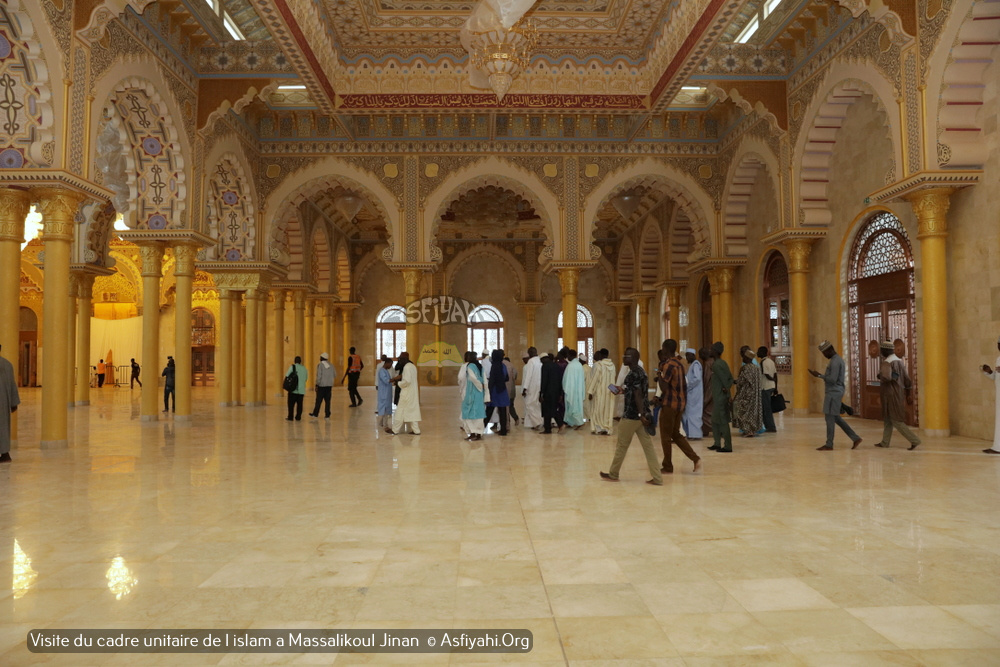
324, 356
825, 345
887, 345
693, 351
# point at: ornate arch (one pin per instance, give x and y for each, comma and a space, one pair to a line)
342, 269
319, 259
752, 157
499, 173
626, 269
680, 245
479, 250
151, 159
957, 83
365, 264
231, 213
843, 86
650, 251
26, 91
669, 181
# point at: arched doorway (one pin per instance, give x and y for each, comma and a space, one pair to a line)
776, 312
584, 332
485, 329
390, 332
27, 358
706, 314
881, 302
202, 347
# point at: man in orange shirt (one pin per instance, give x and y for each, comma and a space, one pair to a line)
353, 372
101, 370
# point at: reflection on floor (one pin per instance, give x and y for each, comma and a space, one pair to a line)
777, 554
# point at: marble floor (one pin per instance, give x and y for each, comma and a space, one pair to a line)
776, 555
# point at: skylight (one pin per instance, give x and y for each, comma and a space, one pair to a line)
230, 25
748, 31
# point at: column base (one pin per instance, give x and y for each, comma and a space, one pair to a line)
253, 404
150, 418
80, 404
937, 432
182, 418
53, 444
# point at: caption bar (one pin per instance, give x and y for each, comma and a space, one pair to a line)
280, 641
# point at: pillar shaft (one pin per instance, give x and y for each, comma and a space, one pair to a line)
327, 328
299, 304
252, 346
645, 337
84, 309
346, 314
620, 311
71, 361
262, 348
152, 269
568, 281
529, 316
674, 304
279, 362
931, 208
239, 330
310, 355
336, 342
184, 256
722, 282
411, 289
225, 348
798, 287
58, 208
14, 206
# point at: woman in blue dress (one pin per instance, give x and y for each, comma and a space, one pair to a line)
383, 386
473, 398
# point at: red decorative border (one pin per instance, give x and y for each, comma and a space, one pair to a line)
303, 43
682, 54
488, 100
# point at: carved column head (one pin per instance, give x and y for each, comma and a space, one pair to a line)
931, 208
569, 279
798, 254
184, 256
299, 299
58, 208
411, 282
14, 207
279, 299
151, 255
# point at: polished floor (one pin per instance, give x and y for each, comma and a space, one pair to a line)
776, 555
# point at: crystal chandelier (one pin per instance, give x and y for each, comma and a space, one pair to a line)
503, 53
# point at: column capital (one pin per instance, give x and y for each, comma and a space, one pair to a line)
721, 279
674, 295
569, 279
279, 298
151, 255
14, 207
931, 208
798, 254
58, 207
184, 256
411, 280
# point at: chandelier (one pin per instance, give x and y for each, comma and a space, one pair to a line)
503, 53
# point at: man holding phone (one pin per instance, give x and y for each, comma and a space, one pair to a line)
636, 394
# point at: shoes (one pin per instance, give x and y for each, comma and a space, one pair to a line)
667, 471
288, 419
714, 448
856, 443
824, 448
360, 401
608, 478
354, 405
546, 432
985, 451
654, 482
327, 417
5, 458
913, 446
389, 431
313, 414
882, 445
166, 410
771, 430
725, 451
697, 466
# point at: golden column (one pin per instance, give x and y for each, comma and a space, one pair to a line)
346, 314
262, 346
529, 317
569, 279
722, 278
225, 341
713, 290
645, 336
299, 305
58, 208
335, 338
310, 354
237, 349
411, 284
621, 309
279, 339
798, 287
184, 256
84, 310
74, 294
152, 270
327, 327
674, 304
253, 305
931, 209
14, 206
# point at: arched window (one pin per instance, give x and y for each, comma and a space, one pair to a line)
880, 295
776, 312
584, 332
390, 332
485, 329
202, 327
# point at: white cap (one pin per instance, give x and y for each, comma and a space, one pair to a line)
324, 356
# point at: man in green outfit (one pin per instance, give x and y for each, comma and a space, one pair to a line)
719, 384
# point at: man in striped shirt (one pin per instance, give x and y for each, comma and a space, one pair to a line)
673, 399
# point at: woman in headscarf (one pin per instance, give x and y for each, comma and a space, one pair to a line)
473, 399
746, 406
499, 398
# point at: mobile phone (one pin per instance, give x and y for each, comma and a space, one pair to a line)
614, 389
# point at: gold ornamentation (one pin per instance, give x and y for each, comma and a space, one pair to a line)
184, 256
411, 281
152, 259
931, 208
14, 206
798, 255
58, 208
569, 279
721, 279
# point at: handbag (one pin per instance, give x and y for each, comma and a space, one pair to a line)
647, 422
778, 403
291, 382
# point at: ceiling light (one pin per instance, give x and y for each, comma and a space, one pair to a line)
296, 86
349, 205
626, 204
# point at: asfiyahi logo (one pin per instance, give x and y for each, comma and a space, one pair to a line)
440, 310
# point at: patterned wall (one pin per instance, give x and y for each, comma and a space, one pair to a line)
231, 211
25, 115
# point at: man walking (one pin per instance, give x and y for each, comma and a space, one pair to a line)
635, 390
102, 370
707, 361
721, 382
297, 396
135, 376
325, 375
695, 396
768, 386
833, 380
602, 401
9, 400
574, 390
992, 374
894, 385
532, 385
673, 400
511, 388
168, 386
408, 408
353, 372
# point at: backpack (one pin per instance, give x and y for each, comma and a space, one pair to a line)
291, 380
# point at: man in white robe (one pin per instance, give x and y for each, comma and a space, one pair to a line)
9, 400
602, 401
586, 382
408, 408
531, 384
574, 391
691, 421
994, 375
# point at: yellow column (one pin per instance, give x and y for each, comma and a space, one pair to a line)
237, 349
152, 270
262, 348
299, 343
529, 316
84, 310
798, 287
253, 304
713, 288
724, 278
225, 347
326, 328
411, 284
58, 208
346, 313
645, 336
621, 309
14, 206
74, 292
336, 343
279, 362
310, 355
568, 281
184, 256
931, 209
674, 304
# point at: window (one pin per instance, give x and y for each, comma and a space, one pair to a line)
748, 31
227, 21
584, 332
776, 304
485, 329
390, 332
202, 327
770, 6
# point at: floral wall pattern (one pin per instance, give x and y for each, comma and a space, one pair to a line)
25, 113
231, 211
